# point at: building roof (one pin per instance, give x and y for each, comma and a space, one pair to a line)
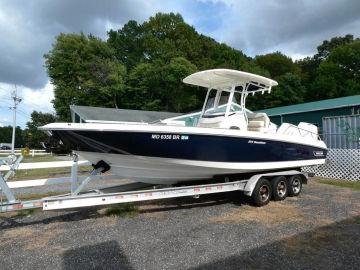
87, 113
314, 106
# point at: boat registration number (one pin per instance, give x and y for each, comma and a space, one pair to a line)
169, 137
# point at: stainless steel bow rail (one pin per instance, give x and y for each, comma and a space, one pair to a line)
133, 192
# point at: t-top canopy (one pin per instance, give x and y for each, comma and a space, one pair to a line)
226, 78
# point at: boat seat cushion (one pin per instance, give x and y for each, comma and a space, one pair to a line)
254, 116
256, 124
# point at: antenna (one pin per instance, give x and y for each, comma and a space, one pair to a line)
16, 100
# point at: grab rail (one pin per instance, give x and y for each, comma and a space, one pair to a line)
317, 136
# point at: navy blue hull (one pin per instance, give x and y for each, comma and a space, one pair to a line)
189, 146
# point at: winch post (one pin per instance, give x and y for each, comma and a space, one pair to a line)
99, 167
85, 181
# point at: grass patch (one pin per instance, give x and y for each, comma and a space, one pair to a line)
40, 173
122, 210
44, 158
26, 197
339, 183
27, 212
47, 173
357, 220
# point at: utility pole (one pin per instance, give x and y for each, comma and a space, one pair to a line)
16, 100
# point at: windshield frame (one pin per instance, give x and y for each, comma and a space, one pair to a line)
217, 105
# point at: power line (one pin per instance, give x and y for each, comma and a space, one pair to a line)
42, 107
37, 105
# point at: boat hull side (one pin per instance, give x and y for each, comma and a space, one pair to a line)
169, 171
189, 146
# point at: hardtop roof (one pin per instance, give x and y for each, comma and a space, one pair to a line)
225, 78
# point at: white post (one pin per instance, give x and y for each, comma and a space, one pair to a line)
74, 173
228, 106
204, 106
13, 132
16, 102
32, 152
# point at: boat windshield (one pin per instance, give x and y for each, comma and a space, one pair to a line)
217, 101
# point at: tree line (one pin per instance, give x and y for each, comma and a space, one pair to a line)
141, 66
30, 136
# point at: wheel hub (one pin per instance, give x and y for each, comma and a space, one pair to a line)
281, 188
264, 193
296, 185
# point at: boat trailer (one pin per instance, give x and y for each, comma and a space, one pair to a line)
257, 185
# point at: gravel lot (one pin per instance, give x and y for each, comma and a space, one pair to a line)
318, 230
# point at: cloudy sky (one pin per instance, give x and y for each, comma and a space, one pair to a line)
28, 28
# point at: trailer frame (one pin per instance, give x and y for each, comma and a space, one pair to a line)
134, 192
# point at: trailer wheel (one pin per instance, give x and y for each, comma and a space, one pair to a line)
279, 188
295, 185
262, 192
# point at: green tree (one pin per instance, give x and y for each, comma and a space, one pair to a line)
83, 71
32, 135
158, 86
339, 74
289, 91
317, 85
141, 66
127, 43
277, 64
6, 136
328, 46
159, 53
308, 67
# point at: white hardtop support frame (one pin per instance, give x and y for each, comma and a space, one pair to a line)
227, 80
128, 192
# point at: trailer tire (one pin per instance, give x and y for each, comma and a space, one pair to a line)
279, 187
261, 194
295, 185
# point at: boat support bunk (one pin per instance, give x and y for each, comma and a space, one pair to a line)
261, 187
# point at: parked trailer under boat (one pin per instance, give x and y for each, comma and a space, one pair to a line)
260, 187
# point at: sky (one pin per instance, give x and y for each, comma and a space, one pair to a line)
28, 30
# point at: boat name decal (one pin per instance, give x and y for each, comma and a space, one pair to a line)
169, 137
256, 142
318, 153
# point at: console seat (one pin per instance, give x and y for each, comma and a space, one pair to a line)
258, 122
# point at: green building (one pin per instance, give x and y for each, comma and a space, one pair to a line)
313, 112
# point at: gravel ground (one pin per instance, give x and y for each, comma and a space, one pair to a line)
318, 230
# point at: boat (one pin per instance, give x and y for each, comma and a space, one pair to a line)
226, 140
